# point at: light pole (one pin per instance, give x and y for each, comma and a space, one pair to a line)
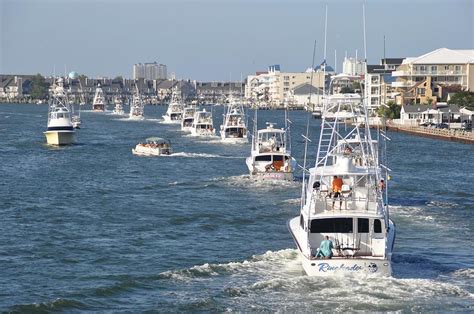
449, 119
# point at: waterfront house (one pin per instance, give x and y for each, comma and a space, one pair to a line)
429, 78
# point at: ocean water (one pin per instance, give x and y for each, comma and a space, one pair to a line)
90, 227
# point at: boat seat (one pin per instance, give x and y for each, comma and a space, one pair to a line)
324, 190
346, 190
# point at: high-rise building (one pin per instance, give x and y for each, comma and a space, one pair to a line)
353, 66
149, 71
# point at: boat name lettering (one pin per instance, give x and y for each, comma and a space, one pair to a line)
325, 267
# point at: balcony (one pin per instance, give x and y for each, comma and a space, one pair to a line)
400, 73
403, 84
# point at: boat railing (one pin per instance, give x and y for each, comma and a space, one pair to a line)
324, 201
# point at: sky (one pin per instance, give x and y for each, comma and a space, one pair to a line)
212, 40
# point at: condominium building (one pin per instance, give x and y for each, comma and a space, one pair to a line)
353, 66
274, 87
379, 81
149, 71
429, 78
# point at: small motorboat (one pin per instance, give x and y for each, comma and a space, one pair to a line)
154, 146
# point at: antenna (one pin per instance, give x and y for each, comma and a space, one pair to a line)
335, 60
384, 60
325, 33
365, 38
325, 40
306, 137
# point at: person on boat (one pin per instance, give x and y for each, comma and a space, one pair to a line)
382, 185
336, 190
325, 249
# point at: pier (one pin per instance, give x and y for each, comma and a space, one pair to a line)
455, 135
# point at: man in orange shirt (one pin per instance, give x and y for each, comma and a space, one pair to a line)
336, 190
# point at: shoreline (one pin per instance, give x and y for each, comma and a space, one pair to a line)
465, 137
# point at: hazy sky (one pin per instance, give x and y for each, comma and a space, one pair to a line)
216, 39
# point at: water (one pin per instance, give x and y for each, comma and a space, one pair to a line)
92, 227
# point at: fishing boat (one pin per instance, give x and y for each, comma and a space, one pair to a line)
174, 113
344, 225
234, 126
154, 146
137, 106
118, 109
76, 116
270, 157
99, 104
60, 130
202, 124
188, 118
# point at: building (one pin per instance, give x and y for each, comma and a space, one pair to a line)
275, 88
218, 92
353, 66
379, 82
149, 71
414, 115
430, 77
307, 96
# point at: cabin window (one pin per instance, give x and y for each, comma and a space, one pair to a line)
264, 158
332, 225
363, 225
377, 226
277, 158
301, 221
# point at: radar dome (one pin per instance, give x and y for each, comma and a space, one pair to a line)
73, 75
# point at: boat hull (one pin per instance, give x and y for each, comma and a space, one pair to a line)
60, 137
341, 266
345, 266
98, 108
234, 140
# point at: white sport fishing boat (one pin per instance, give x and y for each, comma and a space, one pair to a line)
154, 146
234, 126
99, 104
270, 157
60, 129
118, 109
202, 124
137, 106
344, 225
174, 113
188, 118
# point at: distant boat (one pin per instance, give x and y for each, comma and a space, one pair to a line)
270, 157
202, 124
118, 109
234, 126
188, 118
60, 130
137, 106
99, 103
174, 113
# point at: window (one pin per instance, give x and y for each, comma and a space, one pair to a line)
301, 221
332, 225
377, 226
446, 67
363, 225
264, 158
286, 78
434, 69
286, 84
286, 89
457, 68
420, 91
277, 158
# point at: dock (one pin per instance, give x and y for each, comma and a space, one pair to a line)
454, 135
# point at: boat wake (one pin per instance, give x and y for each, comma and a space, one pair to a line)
246, 181
196, 155
275, 280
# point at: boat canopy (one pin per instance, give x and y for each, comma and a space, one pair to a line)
157, 140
